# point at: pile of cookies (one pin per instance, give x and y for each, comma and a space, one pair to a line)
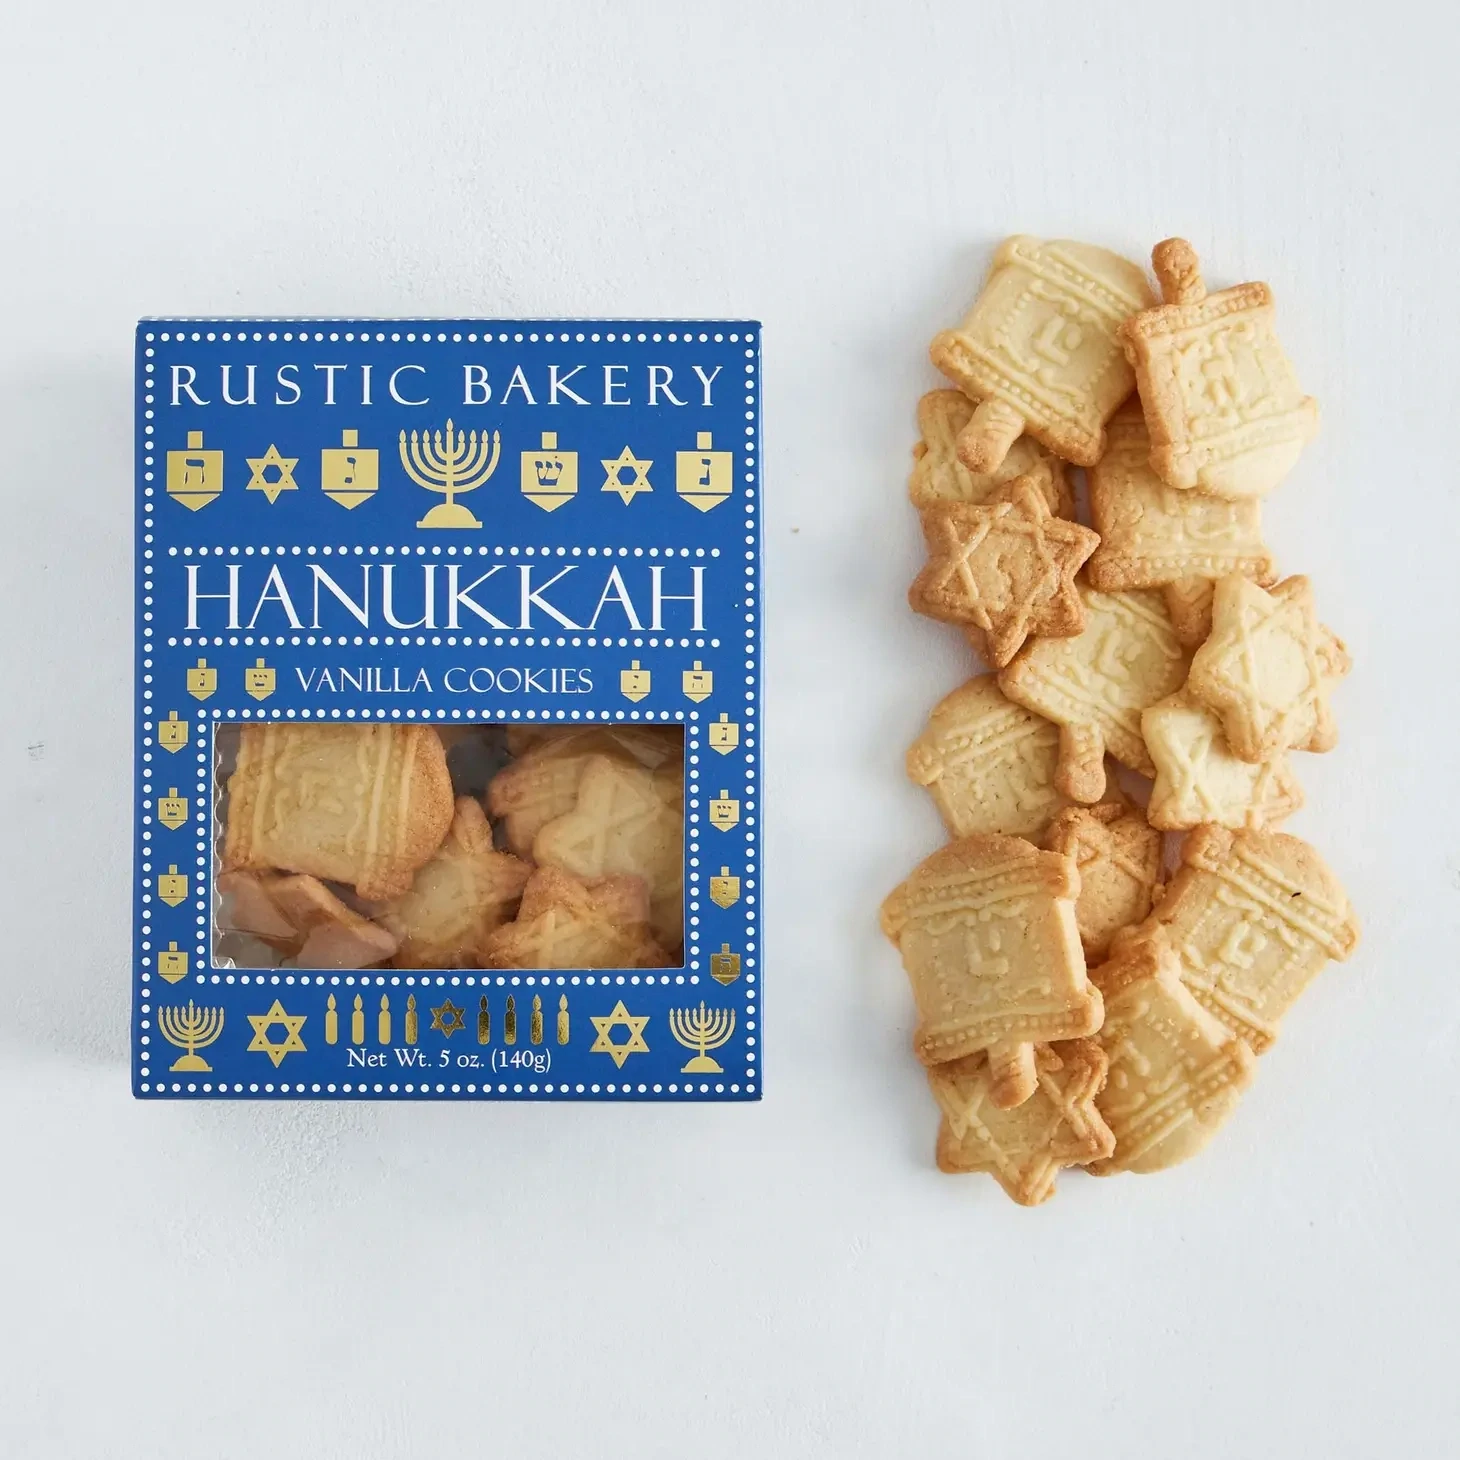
1075, 1006
413, 846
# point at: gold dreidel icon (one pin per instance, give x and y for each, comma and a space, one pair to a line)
702, 476
194, 476
190, 1028
549, 476
258, 681
1039, 351
172, 886
724, 811
724, 965
349, 473
698, 682
172, 964
633, 681
202, 680
172, 809
724, 889
172, 733
724, 734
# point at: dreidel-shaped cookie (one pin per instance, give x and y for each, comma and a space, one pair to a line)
987, 932
1222, 403
1039, 350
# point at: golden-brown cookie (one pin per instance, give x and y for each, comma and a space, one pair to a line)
464, 891
1040, 352
1095, 686
1153, 536
1198, 779
988, 763
938, 476
1006, 567
1268, 669
331, 934
565, 922
1119, 860
986, 929
1221, 400
363, 804
630, 820
1252, 917
1024, 1148
1176, 1073
543, 782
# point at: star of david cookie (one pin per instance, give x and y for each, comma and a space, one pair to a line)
1198, 779
625, 819
1025, 1148
988, 763
1268, 669
1096, 685
1176, 1073
938, 476
986, 929
543, 782
464, 891
361, 804
1153, 536
1252, 916
1039, 351
565, 922
1119, 860
1007, 567
1222, 403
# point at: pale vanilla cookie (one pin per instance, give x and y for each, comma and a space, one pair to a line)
1039, 350
1222, 403
1176, 1073
565, 922
1119, 860
1153, 536
938, 476
988, 763
543, 782
986, 929
1198, 779
1006, 567
333, 935
1095, 686
1024, 1148
363, 804
1268, 669
464, 891
630, 820
1252, 917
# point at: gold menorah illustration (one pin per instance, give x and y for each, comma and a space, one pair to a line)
459, 462
702, 1029
192, 1029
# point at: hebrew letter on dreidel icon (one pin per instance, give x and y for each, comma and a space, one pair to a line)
702, 477
549, 476
202, 680
194, 476
349, 473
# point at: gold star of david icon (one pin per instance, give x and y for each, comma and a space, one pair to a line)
262, 1023
447, 1019
634, 1044
271, 487
614, 481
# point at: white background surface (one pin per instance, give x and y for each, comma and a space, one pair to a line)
793, 1278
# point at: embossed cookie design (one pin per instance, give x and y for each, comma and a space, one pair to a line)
1119, 860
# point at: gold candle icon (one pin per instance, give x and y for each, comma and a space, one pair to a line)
509, 1023
535, 1027
413, 1022
331, 1022
562, 1018
382, 1022
357, 1021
